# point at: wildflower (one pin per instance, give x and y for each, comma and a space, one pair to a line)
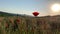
35, 13
18, 21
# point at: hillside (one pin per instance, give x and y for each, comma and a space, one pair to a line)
25, 24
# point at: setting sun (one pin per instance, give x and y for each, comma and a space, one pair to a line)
55, 7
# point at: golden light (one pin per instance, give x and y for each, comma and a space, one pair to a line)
55, 7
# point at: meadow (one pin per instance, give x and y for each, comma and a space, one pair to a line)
29, 25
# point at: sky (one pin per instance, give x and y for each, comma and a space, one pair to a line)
27, 6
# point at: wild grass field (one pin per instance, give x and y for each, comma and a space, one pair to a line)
29, 25
23, 24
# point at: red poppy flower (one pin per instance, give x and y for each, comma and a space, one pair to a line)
17, 20
35, 13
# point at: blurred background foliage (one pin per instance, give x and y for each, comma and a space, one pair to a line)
29, 25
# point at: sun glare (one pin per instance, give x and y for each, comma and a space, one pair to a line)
55, 7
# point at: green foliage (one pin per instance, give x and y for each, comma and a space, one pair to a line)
30, 26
